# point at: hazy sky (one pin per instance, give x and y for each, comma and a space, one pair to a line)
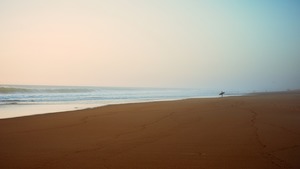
240, 45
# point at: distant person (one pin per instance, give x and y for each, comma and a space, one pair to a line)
222, 93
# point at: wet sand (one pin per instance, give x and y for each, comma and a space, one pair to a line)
255, 131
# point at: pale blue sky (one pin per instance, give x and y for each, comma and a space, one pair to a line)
228, 45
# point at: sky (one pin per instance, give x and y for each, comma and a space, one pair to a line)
228, 45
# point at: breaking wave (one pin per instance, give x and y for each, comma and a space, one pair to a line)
22, 94
14, 90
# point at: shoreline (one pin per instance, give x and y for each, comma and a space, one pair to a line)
67, 107
257, 131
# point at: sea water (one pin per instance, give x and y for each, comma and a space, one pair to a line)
20, 100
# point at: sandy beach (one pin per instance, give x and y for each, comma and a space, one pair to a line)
253, 132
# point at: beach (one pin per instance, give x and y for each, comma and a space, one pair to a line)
254, 131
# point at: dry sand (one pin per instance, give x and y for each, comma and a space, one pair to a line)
257, 131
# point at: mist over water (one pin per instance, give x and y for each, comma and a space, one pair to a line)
68, 94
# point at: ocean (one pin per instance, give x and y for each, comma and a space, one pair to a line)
21, 100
